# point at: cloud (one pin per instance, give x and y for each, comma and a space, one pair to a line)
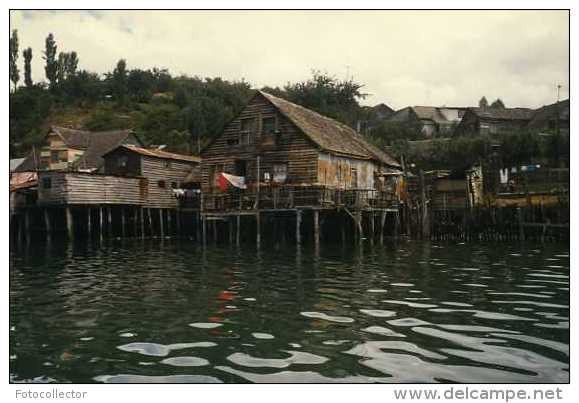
402, 57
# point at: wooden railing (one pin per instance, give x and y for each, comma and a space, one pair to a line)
291, 197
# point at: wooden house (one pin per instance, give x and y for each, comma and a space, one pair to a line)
78, 150
163, 171
284, 150
494, 120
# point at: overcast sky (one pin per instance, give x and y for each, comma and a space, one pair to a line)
403, 57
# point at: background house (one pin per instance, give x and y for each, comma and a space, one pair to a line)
433, 121
490, 120
75, 149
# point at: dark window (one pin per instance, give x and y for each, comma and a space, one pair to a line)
54, 156
174, 185
167, 164
123, 161
46, 183
248, 129
162, 184
232, 142
268, 125
240, 167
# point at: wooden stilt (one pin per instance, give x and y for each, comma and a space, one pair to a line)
150, 219
69, 223
27, 224
382, 224
372, 226
161, 223
258, 229
88, 224
360, 227
230, 228
110, 221
169, 223
123, 223
47, 225
142, 219
298, 228
237, 229
198, 226
178, 221
317, 230
101, 236
343, 229
20, 228
204, 230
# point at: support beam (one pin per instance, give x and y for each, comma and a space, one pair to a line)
110, 221
142, 219
230, 228
101, 223
237, 229
27, 224
169, 223
317, 230
178, 221
135, 222
69, 223
204, 230
382, 225
150, 219
360, 227
47, 225
258, 229
88, 224
298, 228
123, 223
372, 227
161, 223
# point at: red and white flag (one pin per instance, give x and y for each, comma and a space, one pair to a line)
225, 180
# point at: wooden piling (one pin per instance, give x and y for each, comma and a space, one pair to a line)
161, 223
372, 226
298, 228
237, 229
178, 222
317, 229
123, 223
520, 222
204, 230
110, 221
142, 220
47, 225
88, 224
101, 236
258, 229
150, 219
27, 224
69, 223
382, 225
169, 223
360, 227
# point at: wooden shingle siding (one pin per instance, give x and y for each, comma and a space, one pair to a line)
290, 146
83, 188
169, 171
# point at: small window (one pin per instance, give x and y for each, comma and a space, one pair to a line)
174, 185
248, 129
123, 161
354, 174
46, 183
268, 126
54, 156
162, 184
167, 163
280, 173
232, 142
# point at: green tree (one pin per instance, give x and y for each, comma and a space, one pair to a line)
51, 67
13, 66
498, 104
27, 54
119, 82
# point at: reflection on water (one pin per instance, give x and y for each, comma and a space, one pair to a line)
171, 312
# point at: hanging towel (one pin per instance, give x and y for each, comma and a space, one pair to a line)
504, 175
225, 180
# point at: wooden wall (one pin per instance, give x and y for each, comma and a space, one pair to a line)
84, 188
170, 172
289, 145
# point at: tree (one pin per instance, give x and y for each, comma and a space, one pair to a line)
51, 67
498, 104
483, 103
61, 66
13, 66
27, 54
72, 64
119, 81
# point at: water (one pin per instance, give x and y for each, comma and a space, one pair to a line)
170, 312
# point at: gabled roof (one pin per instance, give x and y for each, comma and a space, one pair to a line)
549, 112
94, 144
503, 113
329, 134
429, 113
158, 153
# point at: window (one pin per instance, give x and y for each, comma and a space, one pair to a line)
46, 183
354, 175
232, 142
268, 125
123, 161
279, 173
167, 163
54, 156
248, 129
174, 185
162, 184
